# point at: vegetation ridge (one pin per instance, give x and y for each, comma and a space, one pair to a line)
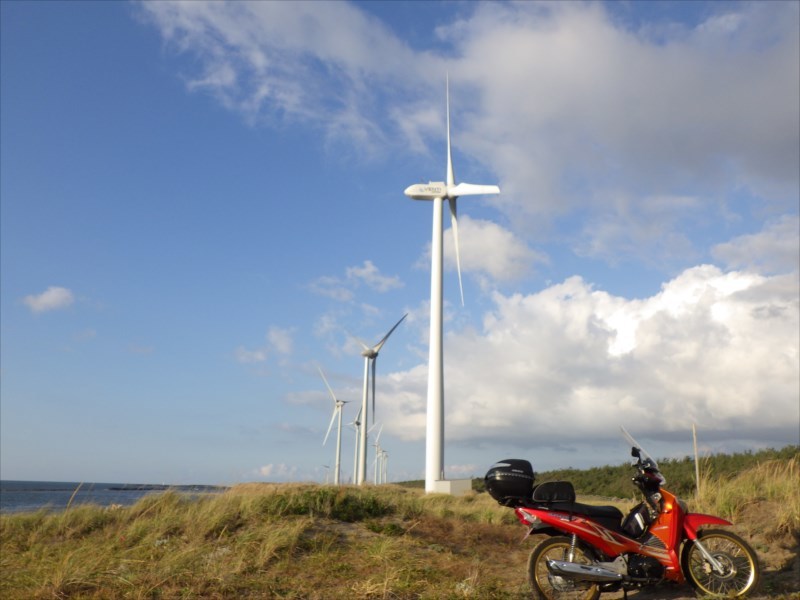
325, 542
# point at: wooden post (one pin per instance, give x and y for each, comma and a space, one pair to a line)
696, 463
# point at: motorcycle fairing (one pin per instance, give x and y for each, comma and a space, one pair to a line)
607, 541
693, 521
662, 541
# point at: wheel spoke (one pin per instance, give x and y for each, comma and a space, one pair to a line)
552, 587
739, 569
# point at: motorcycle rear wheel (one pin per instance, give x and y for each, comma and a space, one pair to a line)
739, 561
547, 586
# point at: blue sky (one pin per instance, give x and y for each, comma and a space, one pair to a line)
200, 202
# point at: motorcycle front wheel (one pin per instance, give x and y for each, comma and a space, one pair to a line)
739, 563
547, 586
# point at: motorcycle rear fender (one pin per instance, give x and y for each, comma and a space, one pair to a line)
693, 521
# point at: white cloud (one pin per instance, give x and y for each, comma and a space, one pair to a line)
332, 287
612, 107
578, 114
281, 340
776, 249
488, 249
53, 298
637, 227
245, 356
280, 471
719, 349
639, 142
272, 60
343, 289
371, 276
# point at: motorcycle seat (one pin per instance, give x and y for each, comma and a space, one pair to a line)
608, 516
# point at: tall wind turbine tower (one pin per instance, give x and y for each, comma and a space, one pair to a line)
438, 192
370, 354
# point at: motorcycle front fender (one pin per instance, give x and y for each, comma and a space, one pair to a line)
693, 521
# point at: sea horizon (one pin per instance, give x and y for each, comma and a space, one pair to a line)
20, 495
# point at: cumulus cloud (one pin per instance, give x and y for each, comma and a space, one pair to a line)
638, 141
714, 348
53, 298
610, 106
579, 111
488, 250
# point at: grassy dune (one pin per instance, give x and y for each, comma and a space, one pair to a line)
308, 541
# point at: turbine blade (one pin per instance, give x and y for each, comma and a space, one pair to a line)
380, 344
333, 418
327, 384
451, 178
454, 224
471, 189
359, 340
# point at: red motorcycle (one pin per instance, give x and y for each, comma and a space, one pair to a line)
594, 549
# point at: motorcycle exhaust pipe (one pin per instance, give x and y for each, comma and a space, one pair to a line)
570, 570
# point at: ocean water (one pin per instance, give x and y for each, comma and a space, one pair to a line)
28, 496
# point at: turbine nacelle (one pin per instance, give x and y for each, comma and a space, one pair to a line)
427, 191
439, 189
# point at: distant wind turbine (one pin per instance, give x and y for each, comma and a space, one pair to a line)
438, 191
357, 427
370, 354
337, 411
327, 472
384, 466
377, 462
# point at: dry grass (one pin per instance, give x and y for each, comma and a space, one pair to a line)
775, 484
281, 541
296, 541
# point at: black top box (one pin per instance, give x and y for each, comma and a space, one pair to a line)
511, 478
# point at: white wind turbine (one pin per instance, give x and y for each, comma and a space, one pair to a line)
370, 353
357, 427
337, 411
377, 463
384, 466
437, 192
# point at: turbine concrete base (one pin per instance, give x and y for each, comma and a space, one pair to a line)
453, 487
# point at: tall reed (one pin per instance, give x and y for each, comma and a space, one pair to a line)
775, 482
